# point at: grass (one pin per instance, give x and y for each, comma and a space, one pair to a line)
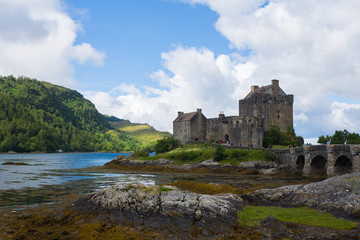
145, 134
251, 216
201, 152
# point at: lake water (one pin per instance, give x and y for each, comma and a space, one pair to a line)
60, 177
44, 178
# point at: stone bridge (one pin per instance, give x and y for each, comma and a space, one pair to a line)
322, 160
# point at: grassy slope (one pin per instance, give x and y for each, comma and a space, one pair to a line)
201, 152
145, 134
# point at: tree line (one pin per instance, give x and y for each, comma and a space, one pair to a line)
40, 117
340, 137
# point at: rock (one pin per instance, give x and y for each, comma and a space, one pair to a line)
208, 163
15, 163
174, 210
259, 164
163, 161
338, 195
125, 161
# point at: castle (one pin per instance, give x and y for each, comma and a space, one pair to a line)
261, 108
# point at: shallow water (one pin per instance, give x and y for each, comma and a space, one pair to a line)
38, 179
59, 177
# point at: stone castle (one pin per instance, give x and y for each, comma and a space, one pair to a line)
261, 108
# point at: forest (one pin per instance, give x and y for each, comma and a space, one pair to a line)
38, 116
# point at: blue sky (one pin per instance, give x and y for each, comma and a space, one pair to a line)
145, 60
135, 33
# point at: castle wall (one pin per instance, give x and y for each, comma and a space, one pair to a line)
182, 131
245, 131
198, 127
276, 110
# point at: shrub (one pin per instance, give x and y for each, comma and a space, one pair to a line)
140, 154
166, 144
219, 153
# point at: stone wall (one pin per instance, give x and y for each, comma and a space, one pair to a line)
276, 110
245, 131
182, 131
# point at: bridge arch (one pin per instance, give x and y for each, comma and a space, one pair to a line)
300, 162
318, 166
343, 165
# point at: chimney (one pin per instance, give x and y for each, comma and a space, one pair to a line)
221, 114
180, 113
253, 88
198, 110
275, 84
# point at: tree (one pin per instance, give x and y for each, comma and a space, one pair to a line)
219, 153
274, 136
166, 144
340, 137
324, 139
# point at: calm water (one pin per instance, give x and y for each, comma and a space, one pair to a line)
56, 177
39, 179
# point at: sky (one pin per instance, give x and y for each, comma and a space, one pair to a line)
145, 60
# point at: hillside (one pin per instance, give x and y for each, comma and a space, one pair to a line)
144, 133
38, 116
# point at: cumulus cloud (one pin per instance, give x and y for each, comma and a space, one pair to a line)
311, 46
37, 40
192, 78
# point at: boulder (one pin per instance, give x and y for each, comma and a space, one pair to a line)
175, 210
338, 195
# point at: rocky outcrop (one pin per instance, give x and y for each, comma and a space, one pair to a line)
172, 211
124, 161
339, 195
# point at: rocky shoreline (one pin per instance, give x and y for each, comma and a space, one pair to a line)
208, 166
167, 212
338, 195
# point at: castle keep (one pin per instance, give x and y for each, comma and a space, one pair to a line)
261, 108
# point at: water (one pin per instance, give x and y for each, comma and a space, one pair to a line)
38, 168
49, 177
60, 177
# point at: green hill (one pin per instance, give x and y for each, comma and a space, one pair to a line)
38, 116
146, 135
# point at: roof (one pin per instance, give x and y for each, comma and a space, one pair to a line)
185, 117
265, 89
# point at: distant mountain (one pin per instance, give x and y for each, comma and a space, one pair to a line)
38, 116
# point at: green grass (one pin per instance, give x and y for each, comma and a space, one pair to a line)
201, 152
145, 134
280, 146
251, 216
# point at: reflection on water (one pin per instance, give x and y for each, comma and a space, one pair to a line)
38, 169
39, 180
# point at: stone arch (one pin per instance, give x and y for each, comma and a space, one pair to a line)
318, 166
300, 162
343, 165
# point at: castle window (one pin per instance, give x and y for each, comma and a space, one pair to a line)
278, 114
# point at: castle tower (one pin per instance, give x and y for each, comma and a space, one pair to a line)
270, 103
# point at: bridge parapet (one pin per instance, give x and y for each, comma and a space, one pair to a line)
329, 160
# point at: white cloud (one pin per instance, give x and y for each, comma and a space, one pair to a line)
310, 46
345, 116
37, 40
195, 78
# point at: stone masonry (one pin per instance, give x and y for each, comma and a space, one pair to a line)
261, 108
